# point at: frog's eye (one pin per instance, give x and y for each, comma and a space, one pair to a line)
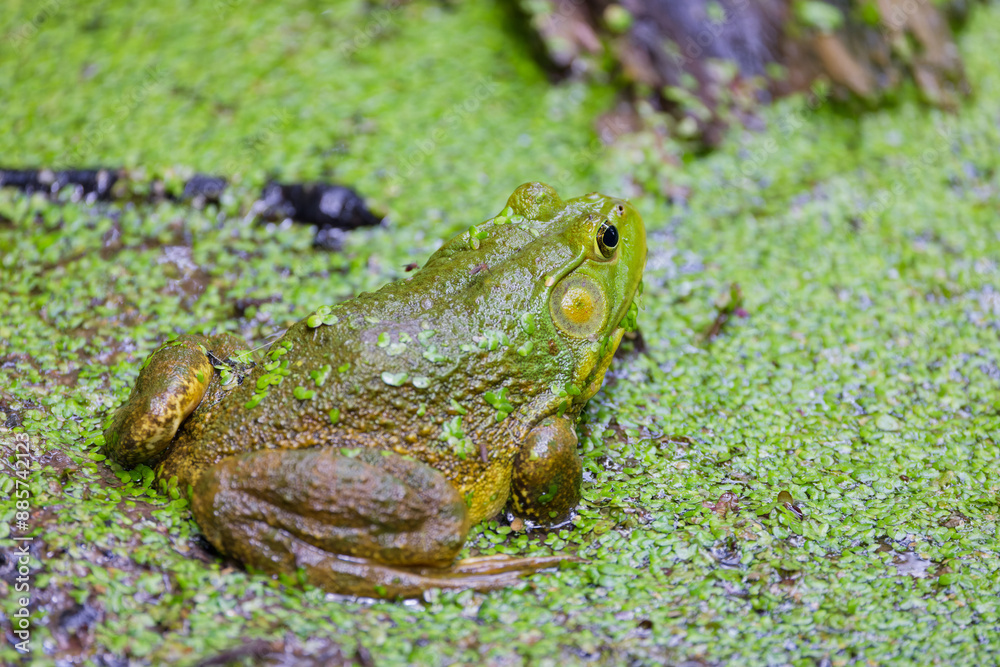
578, 306
607, 239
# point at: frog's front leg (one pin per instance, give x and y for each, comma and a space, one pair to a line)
171, 384
360, 522
548, 473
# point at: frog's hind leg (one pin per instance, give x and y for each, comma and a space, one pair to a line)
356, 522
171, 384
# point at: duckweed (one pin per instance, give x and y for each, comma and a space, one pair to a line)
858, 376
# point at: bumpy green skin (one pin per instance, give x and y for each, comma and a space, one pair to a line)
455, 374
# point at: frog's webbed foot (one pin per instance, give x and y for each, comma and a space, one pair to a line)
487, 573
365, 522
484, 573
171, 384
548, 473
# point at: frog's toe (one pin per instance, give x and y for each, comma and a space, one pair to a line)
481, 573
500, 564
369, 578
170, 386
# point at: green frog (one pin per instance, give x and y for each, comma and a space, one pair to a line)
360, 449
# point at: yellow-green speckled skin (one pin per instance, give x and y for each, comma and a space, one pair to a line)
374, 432
464, 306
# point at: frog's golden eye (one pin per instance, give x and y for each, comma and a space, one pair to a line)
578, 306
607, 239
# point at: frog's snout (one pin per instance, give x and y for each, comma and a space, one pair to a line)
632, 246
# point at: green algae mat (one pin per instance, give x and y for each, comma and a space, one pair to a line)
797, 464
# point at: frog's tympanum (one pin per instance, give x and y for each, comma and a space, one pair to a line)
360, 449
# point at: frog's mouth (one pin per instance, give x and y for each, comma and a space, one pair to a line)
625, 317
628, 314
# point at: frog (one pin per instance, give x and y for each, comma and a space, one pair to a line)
358, 451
